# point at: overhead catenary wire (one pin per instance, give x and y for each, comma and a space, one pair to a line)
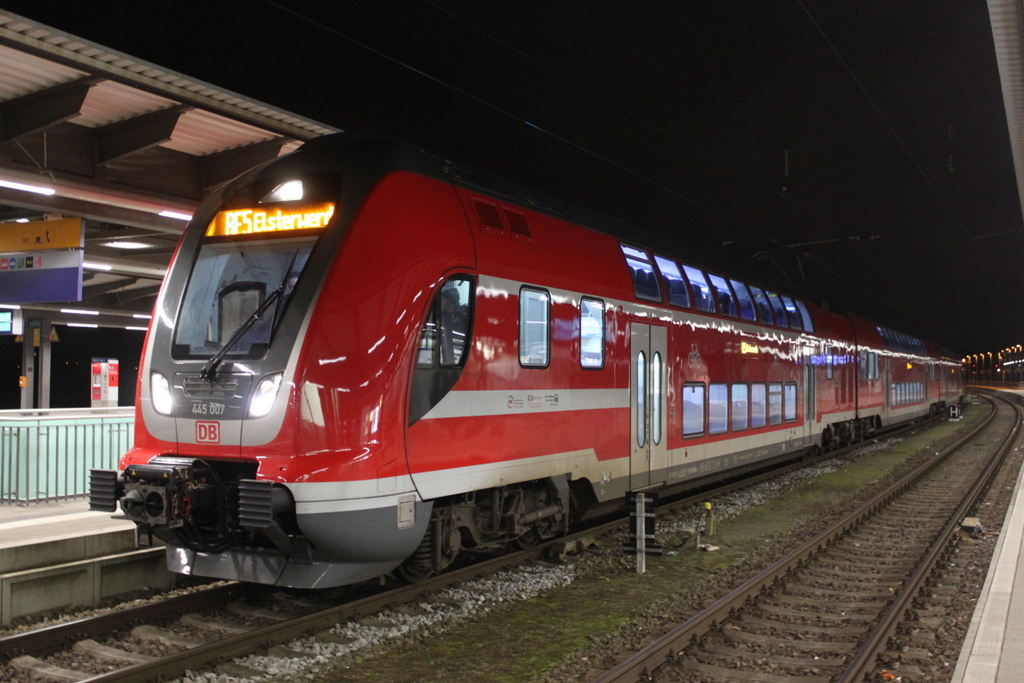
906, 149
574, 145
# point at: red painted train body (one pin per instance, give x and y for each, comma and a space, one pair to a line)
365, 358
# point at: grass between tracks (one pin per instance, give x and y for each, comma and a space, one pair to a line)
522, 641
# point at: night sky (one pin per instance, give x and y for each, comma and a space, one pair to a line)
854, 153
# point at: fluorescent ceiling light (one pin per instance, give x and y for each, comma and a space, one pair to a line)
122, 244
79, 311
176, 214
81, 324
38, 189
13, 307
97, 266
21, 220
142, 316
140, 329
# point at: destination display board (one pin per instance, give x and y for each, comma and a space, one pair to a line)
269, 221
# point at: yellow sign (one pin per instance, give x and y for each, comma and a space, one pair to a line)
748, 348
258, 221
66, 233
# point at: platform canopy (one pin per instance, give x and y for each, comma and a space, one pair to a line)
1007, 18
129, 146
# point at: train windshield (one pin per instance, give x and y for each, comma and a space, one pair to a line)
232, 280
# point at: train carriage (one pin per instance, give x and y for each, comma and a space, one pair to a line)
366, 359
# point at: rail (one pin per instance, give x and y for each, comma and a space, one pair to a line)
46, 455
670, 646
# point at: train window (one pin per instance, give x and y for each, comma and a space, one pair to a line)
873, 372
677, 292
230, 282
693, 409
777, 309
794, 315
591, 333
863, 363
789, 401
744, 300
764, 311
775, 403
829, 362
935, 372
718, 408
443, 346
701, 291
534, 327
806, 315
758, 405
641, 399
726, 300
445, 335
740, 407
645, 282
656, 399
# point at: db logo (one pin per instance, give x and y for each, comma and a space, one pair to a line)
207, 432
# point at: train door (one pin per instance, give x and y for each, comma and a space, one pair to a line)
887, 391
648, 423
811, 397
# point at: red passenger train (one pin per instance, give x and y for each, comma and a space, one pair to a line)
366, 359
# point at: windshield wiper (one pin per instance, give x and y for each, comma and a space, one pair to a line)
209, 370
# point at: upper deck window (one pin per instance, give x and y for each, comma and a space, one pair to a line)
764, 311
645, 282
777, 309
744, 300
677, 292
794, 316
806, 315
701, 291
726, 300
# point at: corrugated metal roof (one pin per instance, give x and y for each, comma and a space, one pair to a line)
23, 74
36, 59
109, 102
49, 57
200, 133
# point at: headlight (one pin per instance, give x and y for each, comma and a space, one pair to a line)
263, 398
160, 392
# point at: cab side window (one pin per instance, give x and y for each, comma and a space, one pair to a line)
443, 341
444, 345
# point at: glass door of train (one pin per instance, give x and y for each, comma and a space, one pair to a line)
811, 400
648, 423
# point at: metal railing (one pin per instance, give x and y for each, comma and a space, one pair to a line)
47, 454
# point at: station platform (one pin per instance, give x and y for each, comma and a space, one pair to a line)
33, 535
993, 650
57, 556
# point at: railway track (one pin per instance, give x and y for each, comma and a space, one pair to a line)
194, 632
825, 612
